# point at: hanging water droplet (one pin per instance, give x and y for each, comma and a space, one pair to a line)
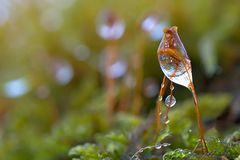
173, 58
170, 101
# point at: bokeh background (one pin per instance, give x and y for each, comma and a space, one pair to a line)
53, 54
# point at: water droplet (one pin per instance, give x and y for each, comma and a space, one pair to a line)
109, 26
160, 145
173, 58
160, 113
166, 144
170, 101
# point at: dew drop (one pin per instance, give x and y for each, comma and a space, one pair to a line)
158, 146
170, 101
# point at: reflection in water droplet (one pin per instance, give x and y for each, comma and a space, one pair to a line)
109, 26
170, 101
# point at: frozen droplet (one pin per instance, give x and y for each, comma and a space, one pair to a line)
170, 101
109, 26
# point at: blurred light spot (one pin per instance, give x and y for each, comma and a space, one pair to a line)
117, 69
16, 88
154, 26
110, 27
151, 87
51, 20
42, 92
64, 73
81, 52
4, 11
149, 23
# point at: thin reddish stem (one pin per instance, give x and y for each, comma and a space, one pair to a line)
199, 119
159, 101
